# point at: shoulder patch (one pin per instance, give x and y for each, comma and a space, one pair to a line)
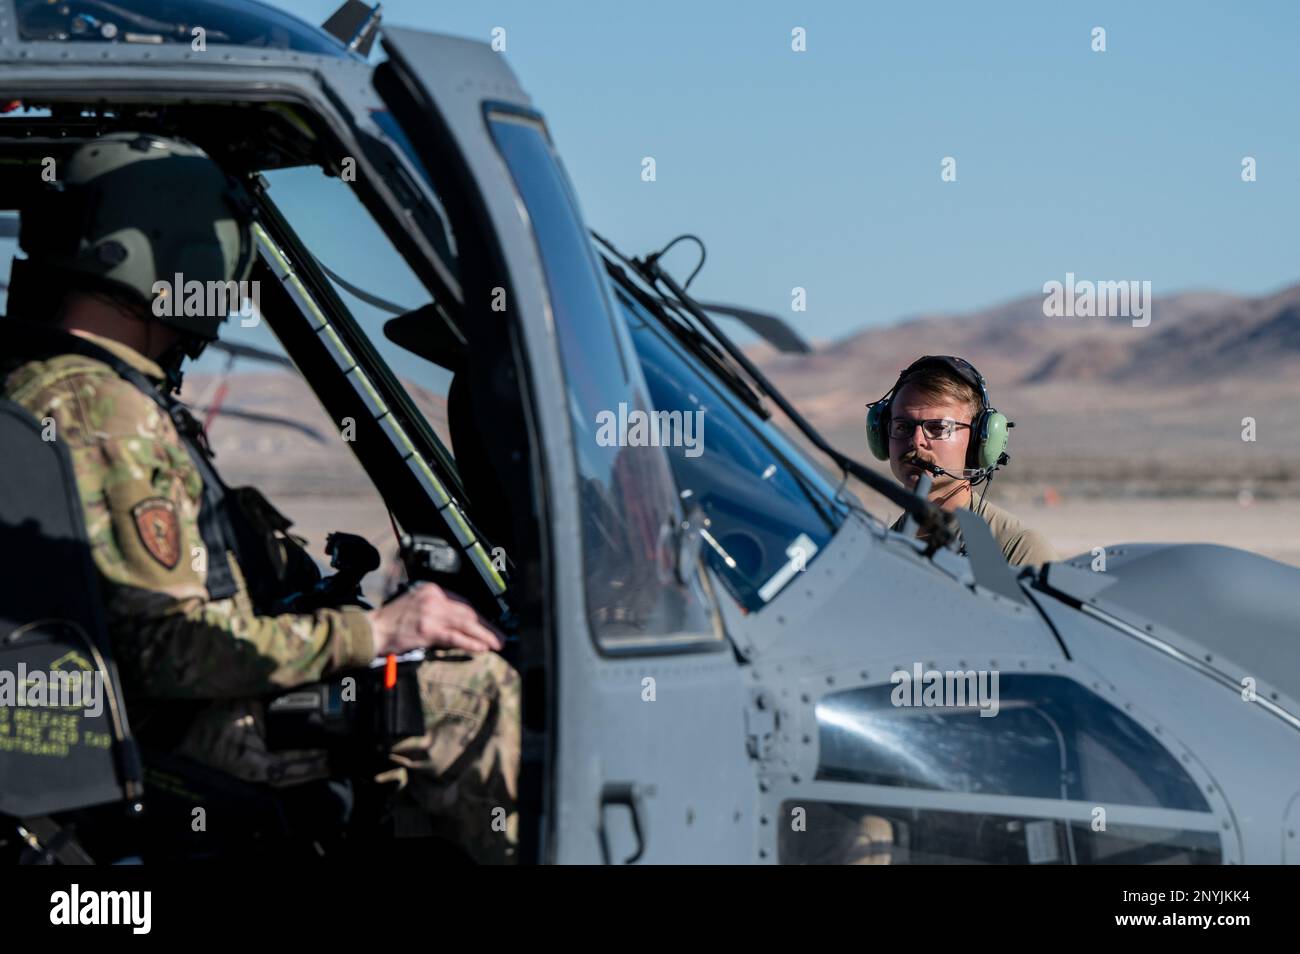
159, 530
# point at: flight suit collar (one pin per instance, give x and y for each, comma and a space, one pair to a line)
128, 354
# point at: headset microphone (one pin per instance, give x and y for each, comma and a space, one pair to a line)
980, 475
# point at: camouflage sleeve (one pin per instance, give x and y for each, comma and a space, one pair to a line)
140, 492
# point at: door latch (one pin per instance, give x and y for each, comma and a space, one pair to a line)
629, 795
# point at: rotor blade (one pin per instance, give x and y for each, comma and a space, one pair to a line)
254, 354
380, 303
768, 327
254, 417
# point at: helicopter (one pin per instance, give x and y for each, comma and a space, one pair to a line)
726, 658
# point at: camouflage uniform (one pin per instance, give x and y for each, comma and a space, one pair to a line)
141, 494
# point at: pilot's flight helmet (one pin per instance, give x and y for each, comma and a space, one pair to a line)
129, 211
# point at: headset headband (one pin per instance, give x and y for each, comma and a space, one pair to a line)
989, 427
958, 366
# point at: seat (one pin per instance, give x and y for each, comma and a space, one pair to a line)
71, 772
53, 757
489, 502
424, 332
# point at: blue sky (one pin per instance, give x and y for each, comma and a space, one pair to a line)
821, 169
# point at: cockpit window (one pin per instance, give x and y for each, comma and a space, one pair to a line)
768, 514
331, 221
639, 593
201, 22
1048, 737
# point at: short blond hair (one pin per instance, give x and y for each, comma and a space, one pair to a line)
938, 383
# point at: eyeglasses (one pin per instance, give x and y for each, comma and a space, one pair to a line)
936, 429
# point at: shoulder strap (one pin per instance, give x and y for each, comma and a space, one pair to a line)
28, 341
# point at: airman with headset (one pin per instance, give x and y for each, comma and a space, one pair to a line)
937, 418
86, 348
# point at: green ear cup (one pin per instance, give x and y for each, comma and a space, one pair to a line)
988, 439
992, 437
877, 439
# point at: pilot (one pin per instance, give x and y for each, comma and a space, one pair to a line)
938, 414
190, 568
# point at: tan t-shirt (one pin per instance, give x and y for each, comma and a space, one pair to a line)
1020, 545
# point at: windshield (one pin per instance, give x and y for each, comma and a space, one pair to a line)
769, 512
635, 595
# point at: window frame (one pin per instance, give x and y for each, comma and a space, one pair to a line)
1064, 830
1053, 686
423, 465
795, 779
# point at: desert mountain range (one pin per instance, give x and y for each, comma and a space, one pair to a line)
1101, 407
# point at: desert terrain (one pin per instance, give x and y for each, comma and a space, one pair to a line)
1122, 434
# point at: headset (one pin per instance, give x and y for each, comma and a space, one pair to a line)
988, 446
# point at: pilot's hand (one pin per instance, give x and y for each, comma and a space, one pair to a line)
428, 616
